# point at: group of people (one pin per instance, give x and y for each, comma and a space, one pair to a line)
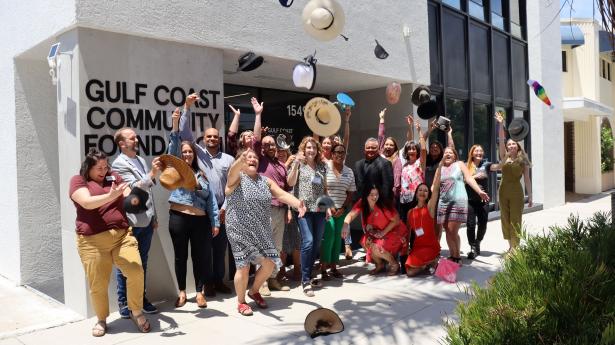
266, 203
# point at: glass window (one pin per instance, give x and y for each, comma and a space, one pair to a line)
564, 67
515, 18
519, 75
497, 14
480, 70
453, 3
456, 111
476, 9
434, 50
501, 65
454, 49
482, 134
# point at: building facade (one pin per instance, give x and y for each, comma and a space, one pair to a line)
588, 103
127, 64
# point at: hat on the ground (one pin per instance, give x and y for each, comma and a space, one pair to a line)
443, 123
286, 3
322, 116
281, 143
393, 91
304, 73
421, 95
322, 321
518, 129
323, 19
249, 62
380, 52
136, 201
176, 173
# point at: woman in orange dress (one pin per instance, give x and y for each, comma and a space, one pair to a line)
426, 248
385, 234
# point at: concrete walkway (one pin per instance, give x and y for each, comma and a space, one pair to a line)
375, 310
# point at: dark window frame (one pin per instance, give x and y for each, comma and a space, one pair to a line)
564, 61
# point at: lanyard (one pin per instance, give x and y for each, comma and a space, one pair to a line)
420, 216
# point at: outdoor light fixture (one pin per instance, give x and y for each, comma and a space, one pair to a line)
52, 60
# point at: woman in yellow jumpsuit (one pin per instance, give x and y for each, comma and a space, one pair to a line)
514, 163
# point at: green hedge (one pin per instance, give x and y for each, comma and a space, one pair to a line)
556, 289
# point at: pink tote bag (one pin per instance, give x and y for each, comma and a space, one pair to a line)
447, 270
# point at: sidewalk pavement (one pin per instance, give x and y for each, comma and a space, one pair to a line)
375, 310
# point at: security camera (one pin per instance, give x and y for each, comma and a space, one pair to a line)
53, 54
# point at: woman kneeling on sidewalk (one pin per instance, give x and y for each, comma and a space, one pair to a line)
248, 225
104, 240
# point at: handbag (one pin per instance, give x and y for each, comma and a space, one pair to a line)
447, 270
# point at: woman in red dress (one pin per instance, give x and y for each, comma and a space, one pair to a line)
385, 234
426, 248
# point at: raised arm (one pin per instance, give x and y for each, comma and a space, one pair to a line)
470, 181
381, 130
449, 138
234, 173
435, 191
185, 130
346, 139
258, 111
410, 130
83, 197
430, 127
423, 146
286, 197
294, 169
501, 135
528, 185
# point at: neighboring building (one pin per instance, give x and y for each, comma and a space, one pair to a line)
588, 103
130, 64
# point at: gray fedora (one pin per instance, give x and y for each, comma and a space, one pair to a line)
518, 129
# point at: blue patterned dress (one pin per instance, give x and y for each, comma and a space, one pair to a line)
453, 201
248, 222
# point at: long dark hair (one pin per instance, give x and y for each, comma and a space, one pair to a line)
91, 159
431, 161
382, 202
415, 201
195, 163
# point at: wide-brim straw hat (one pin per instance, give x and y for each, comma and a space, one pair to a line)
322, 116
176, 174
322, 321
323, 19
518, 129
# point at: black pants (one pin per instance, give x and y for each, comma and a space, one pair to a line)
476, 209
196, 230
219, 245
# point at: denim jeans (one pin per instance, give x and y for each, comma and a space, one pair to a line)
144, 239
312, 228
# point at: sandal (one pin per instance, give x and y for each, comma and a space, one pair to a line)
99, 329
244, 309
393, 270
143, 326
260, 301
307, 290
180, 302
336, 274
201, 302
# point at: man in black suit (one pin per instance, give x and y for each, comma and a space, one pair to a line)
374, 169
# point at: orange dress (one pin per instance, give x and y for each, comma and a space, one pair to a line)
426, 247
394, 241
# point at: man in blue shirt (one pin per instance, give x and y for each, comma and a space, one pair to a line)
215, 164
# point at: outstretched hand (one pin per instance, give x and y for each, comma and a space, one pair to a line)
258, 107
117, 190
191, 99
236, 112
499, 116
410, 120
382, 113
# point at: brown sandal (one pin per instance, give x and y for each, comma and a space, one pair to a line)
393, 269
143, 326
99, 329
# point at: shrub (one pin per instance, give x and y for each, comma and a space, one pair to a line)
606, 148
556, 289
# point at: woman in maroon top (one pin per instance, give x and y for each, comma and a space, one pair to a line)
103, 238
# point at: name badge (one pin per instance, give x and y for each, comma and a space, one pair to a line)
316, 180
419, 232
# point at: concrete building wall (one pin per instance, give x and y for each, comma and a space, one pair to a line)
24, 24
547, 125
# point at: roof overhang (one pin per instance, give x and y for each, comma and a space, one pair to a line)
572, 35
582, 109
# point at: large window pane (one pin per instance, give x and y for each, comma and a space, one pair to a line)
454, 49
501, 66
482, 134
434, 50
479, 59
497, 14
456, 110
476, 9
453, 3
519, 72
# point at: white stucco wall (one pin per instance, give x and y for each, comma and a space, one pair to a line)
42, 21
547, 125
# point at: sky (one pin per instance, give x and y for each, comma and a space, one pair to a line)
580, 9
